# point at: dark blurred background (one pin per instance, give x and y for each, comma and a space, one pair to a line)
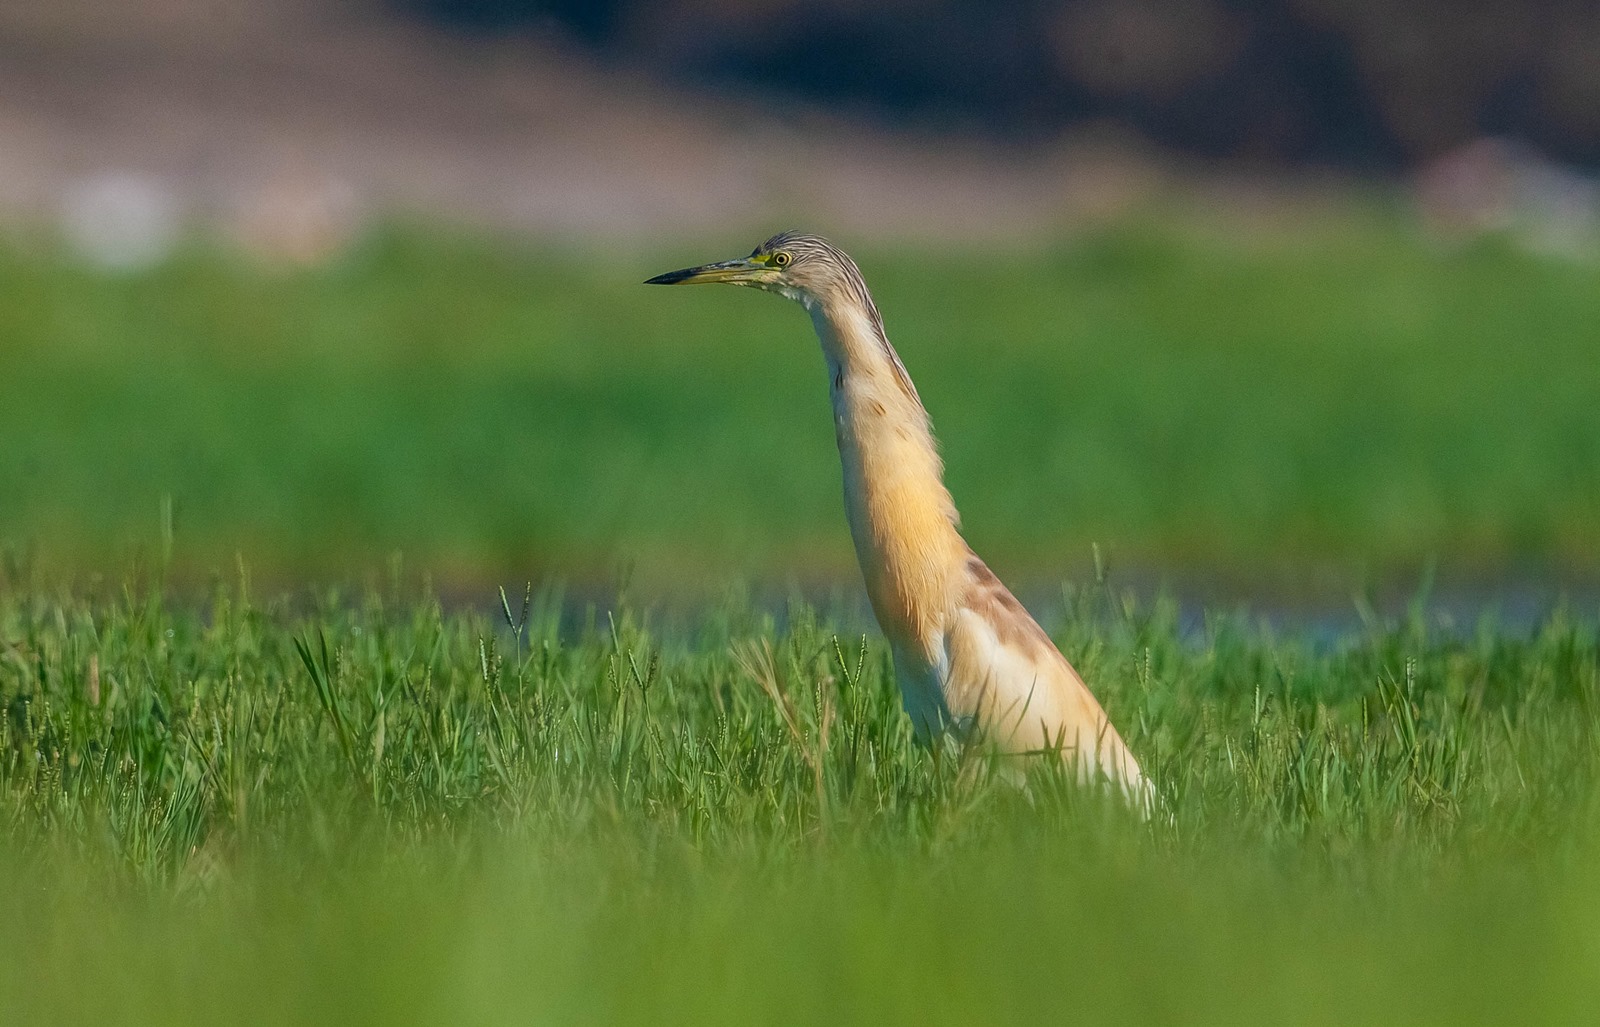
1354, 83
287, 121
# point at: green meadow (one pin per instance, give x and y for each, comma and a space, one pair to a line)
254, 769
1198, 405
364, 808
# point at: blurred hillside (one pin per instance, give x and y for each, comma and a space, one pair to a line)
289, 123
1362, 83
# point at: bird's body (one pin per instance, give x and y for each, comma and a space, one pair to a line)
967, 655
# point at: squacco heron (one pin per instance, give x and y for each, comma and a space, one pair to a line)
968, 657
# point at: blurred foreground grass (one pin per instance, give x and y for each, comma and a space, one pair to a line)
364, 809
1351, 397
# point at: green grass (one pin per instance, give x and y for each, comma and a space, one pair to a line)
1261, 408
361, 808
221, 803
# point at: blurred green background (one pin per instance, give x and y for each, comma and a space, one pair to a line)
1249, 411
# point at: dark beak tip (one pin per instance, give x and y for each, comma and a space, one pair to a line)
670, 278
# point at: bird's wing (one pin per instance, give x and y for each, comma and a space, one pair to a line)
1006, 674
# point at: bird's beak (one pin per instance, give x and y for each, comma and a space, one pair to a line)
737, 272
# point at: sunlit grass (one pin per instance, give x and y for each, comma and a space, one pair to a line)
366, 807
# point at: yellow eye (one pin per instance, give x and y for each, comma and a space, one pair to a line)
781, 259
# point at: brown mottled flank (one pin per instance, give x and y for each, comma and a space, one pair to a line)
1014, 625
968, 657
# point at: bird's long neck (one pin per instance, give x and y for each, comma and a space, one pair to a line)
901, 516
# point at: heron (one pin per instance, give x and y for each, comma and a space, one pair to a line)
969, 659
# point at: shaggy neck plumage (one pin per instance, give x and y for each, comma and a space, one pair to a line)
901, 516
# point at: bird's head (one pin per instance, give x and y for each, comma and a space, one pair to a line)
802, 267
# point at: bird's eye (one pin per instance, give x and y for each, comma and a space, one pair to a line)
781, 259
